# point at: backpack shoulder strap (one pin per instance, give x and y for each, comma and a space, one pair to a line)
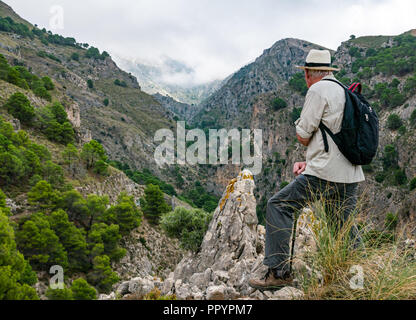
324, 130
335, 81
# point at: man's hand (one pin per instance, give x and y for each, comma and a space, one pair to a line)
298, 168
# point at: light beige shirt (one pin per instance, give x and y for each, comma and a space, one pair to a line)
325, 101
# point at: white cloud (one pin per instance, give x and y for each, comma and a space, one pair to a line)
217, 37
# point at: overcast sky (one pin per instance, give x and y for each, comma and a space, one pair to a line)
215, 37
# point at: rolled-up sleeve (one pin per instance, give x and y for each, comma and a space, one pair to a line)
311, 115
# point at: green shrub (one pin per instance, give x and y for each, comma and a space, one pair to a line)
101, 276
400, 177
11, 168
278, 104
391, 221
413, 118
43, 196
101, 168
189, 226
295, 114
298, 83
59, 294
90, 84
72, 239
154, 204
47, 83
412, 184
75, 56
402, 130
106, 102
39, 243
394, 122
81, 290
92, 152
41, 92
390, 157
19, 107
15, 276
121, 83
104, 239
125, 213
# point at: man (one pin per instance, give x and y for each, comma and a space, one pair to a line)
327, 174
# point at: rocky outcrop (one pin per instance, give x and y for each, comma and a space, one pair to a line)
231, 253
149, 252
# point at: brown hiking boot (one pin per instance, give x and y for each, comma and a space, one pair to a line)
271, 282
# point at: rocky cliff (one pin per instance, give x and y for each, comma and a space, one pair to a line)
231, 253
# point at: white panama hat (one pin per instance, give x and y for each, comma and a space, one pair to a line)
318, 60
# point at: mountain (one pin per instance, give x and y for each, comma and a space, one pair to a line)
232, 105
170, 77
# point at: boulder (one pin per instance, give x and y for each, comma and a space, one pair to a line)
140, 286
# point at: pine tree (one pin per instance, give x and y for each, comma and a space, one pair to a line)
81, 290
19, 107
155, 204
16, 275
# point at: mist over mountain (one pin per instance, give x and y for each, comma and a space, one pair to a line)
170, 77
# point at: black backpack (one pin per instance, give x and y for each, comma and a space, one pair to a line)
358, 138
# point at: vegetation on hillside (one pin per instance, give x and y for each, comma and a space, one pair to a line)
189, 226
59, 226
21, 77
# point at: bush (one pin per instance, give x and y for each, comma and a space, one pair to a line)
43, 196
11, 168
90, 84
39, 243
125, 213
278, 104
402, 130
394, 122
92, 152
16, 275
189, 226
72, 240
413, 118
121, 83
81, 290
101, 168
412, 184
154, 204
400, 177
19, 107
59, 294
106, 102
298, 83
94, 53
75, 56
104, 239
101, 276
41, 92
390, 157
47, 83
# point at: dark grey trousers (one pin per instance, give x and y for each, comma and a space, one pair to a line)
284, 207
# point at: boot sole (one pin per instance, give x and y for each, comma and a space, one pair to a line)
270, 287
